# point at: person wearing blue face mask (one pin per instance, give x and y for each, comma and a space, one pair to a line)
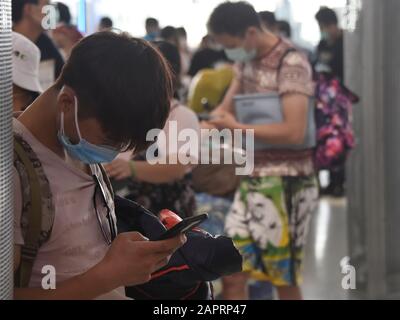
85, 151
111, 92
152, 29
243, 40
273, 205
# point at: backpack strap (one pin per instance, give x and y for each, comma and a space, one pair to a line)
37, 211
287, 52
100, 172
106, 179
31, 239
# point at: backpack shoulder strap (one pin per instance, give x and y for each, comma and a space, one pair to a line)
37, 209
101, 174
34, 215
287, 52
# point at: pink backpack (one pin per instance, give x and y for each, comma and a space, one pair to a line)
333, 115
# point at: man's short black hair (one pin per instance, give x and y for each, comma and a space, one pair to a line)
168, 33
233, 18
18, 8
326, 16
123, 82
106, 22
181, 31
152, 22
268, 18
64, 15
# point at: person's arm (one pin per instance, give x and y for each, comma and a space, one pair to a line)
121, 169
130, 260
291, 131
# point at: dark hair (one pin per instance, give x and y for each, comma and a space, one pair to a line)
152, 22
233, 18
169, 32
181, 31
123, 82
268, 18
171, 54
64, 14
285, 28
106, 22
326, 16
17, 8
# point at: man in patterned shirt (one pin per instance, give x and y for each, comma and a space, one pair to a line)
272, 207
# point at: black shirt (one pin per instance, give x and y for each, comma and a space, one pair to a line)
331, 55
205, 58
49, 52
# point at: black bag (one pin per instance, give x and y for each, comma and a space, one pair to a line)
202, 259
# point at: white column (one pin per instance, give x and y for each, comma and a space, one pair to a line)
6, 154
372, 71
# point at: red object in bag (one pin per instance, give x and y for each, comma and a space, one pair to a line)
169, 219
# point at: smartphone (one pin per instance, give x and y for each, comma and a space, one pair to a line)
183, 227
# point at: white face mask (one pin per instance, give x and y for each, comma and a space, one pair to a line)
240, 54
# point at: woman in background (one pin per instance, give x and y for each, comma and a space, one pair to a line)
66, 35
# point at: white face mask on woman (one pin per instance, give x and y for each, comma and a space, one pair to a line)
240, 54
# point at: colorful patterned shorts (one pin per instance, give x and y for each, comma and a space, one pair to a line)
268, 221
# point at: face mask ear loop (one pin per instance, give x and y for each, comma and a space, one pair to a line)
62, 117
62, 122
76, 118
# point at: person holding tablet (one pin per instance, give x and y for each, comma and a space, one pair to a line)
272, 208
